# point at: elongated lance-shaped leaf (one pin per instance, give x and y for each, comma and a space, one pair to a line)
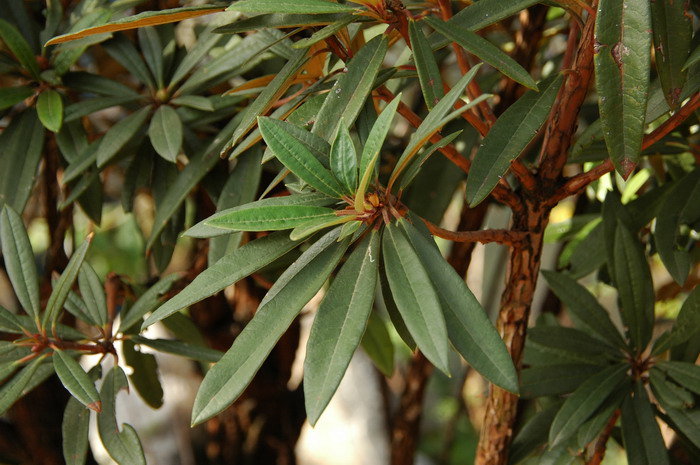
228, 270
49, 108
300, 161
205, 42
313, 143
10, 96
63, 285
687, 374
290, 7
19, 261
414, 168
123, 446
120, 134
19, 385
278, 20
293, 289
183, 349
372, 149
344, 159
640, 431
575, 342
19, 47
377, 343
555, 379
269, 95
308, 228
74, 378
469, 328
687, 422
584, 401
124, 52
673, 32
506, 140
584, 307
93, 294
432, 123
152, 49
326, 32
622, 65
485, 50
165, 132
271, 218
687, 323
75, 429
147, 18
144, 376
415, 296
634, 285
339, 324
428, 71
347, 97
149, 301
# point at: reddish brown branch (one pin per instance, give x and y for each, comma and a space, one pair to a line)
486, 236
601, 443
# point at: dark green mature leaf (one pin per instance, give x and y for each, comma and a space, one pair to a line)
19, 47
673, 32
152, 52
574, 341
123, 51
75, 429
19, 385
391, 309
21, 145
123, 446
593, 427
295, 156
622, 65
183, 349
230, 269
347, 97
63, 285
687, 374
120, 134
93, 294
49, 108
165, 132
507, 138
687, 323
554, 380
290, 7
640, 432
339, 324
278, 20
19, 261
428, 71
372, 149
584, 401
76, 381
415, 166
326, 32
469, 328
636, 291
532, 435
270, 218
145, 374
687, 422
149, 301
377, 344
343, 159
584, 307
10, 96
415, 296
485, 50
96, 84
9, 323
292, 290
668, 393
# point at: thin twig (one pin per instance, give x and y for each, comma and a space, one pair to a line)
486, 236
601, 443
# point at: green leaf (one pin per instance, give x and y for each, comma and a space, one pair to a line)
152, 52
634, 285
165, 132
293, 289
343, 159
10, 96
377, 343
554, 380
506, 140
574, 341
687, 422
295, 156
372, 149
183, 349
483, 49
228, 270
339, 324
49, 108
415, 296
347, 97
584, 401
123, 51
325, 32
93, 294
668, 393
144, 376
19, 47
687, 323
76, 381
148, 302
22, 144
75, 429
584, 308
123, 446
9, 323
640, 432
270, 218
428, 71
19, 385
19, 261
686, 374
290, 7
673, 32
120, 134
63, 285
469, 328
622, 66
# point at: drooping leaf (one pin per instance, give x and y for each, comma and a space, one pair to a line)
165, 132
120, 134
667, 392
622, 65
49, 108
533, 434
343, 159
584, 401
9, 323
292, 290
152, 52
310, 227
377, 343
508, 137
19, 261
673, 32
428, 71
144, 376
687, 374
640, 432
339, 324
313, 143
279, 20
19, 47
93, 294
76, 381
10, 96
687, 422
415, 296
290, 7
270, 218
575, 342
75, 429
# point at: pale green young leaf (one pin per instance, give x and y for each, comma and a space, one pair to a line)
76, 381
124, 52
687, 323
152, 52
640, 431
428, 71
165, 132
343, 159
349, 229
144, 375
9, 323
290, 7
339, 324
119, 135
310, 227
293, 289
